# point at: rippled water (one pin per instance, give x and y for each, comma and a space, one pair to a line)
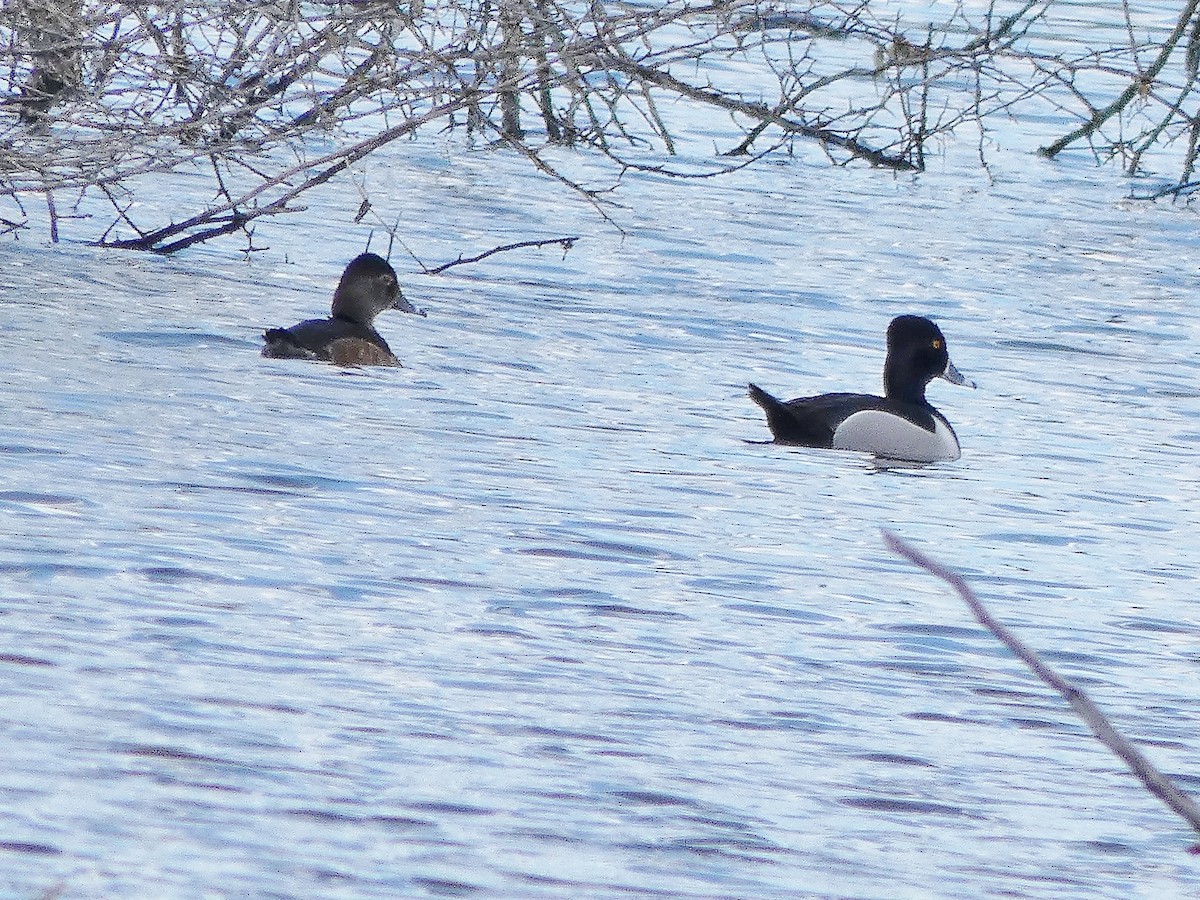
536, 616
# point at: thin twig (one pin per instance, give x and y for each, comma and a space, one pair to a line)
1154, 781
53, 211
565, 242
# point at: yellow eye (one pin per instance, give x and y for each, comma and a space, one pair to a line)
937, 344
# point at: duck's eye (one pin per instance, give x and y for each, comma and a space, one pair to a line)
937, 344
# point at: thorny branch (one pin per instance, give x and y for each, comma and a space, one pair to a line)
111, 100
1138, 86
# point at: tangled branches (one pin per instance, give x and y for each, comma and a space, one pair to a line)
267, 100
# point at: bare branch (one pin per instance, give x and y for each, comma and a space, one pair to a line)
1137, 86
94, 95
1151, 778
565, 242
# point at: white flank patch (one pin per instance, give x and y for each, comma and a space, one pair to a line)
886, 434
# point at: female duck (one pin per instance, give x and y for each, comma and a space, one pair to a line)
348, 337
899, 425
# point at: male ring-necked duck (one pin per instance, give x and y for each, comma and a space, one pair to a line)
347, 337
899, 425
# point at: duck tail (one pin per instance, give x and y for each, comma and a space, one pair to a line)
771, 405
780, 419
278, 343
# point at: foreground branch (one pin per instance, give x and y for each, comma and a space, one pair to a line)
1154, 781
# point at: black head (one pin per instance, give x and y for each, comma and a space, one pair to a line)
916, 355
368, 287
